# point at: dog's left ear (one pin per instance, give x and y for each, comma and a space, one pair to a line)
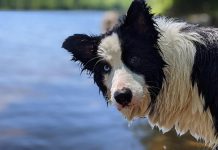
139, 19
84, 49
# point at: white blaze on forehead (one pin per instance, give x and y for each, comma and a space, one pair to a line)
110, 49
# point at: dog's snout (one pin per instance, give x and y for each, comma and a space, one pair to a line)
123, 97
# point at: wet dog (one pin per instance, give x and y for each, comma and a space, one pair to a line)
156, 67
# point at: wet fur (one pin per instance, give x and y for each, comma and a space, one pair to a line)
176, 62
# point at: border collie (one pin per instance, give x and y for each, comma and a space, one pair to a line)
156, 67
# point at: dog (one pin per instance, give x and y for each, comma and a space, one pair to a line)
156, 67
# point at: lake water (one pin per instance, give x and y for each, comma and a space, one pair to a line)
45, 104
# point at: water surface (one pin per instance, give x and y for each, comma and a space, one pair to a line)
44, 102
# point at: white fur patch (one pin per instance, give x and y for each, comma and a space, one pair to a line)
178, 103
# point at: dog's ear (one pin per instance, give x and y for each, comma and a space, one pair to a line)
84, 49
139, 19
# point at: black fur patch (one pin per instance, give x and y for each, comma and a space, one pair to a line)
140, 52
99, 77
205, 71
84, 49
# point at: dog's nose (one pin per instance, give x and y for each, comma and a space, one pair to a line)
123, 97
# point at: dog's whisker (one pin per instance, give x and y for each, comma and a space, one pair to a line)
97, 63
97, 57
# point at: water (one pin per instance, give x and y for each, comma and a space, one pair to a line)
44, 102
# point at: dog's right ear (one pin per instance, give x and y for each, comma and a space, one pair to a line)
139, 20
84, 49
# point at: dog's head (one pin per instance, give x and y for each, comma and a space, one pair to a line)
126, 62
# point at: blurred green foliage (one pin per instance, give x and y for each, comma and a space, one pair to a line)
64, 4
160, 6
178, 7
184, 7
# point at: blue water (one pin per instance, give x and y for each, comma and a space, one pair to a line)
45, 104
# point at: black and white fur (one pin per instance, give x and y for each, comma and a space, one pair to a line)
168, 68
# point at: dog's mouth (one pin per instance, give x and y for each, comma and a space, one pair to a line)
127, 106
130, 103
131, 111
135, 109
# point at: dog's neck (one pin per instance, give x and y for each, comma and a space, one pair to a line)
179, 104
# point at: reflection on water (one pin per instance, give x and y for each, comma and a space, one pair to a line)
155, 140
44, 102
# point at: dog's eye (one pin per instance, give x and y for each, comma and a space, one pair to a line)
107, 68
